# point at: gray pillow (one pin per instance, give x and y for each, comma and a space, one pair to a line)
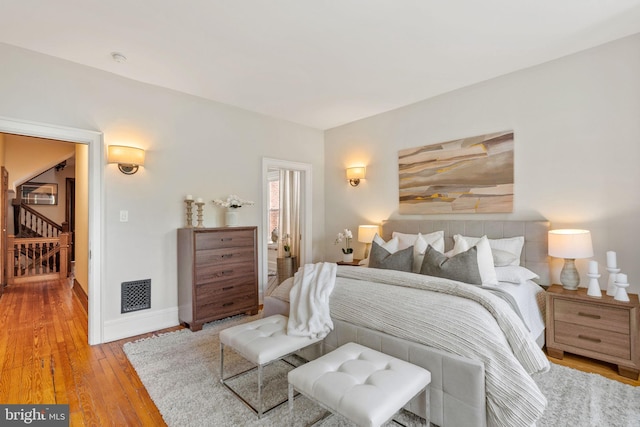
462, 267
401, 260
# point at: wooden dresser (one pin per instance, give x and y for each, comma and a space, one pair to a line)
600, 328
217, 274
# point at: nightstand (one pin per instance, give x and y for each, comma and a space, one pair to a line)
600, 328
354, 263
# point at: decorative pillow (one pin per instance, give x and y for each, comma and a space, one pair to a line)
401, 260
502, 258
391, 246
420, 242
462, 267
512, 245
515, 274
435, 239
485, 258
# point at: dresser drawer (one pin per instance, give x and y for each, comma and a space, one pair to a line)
239, 284
598, 340
592, 316
226, 305
224, 272
224, 239
208, 257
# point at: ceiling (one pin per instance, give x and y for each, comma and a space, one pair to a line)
319, 63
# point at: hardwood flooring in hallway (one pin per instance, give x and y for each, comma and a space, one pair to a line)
45, 358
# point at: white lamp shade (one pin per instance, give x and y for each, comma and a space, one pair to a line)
126, 155
367, 232
356, 172
570, 244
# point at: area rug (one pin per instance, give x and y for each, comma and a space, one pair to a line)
180, 370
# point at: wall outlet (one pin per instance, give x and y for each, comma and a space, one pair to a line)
124, 216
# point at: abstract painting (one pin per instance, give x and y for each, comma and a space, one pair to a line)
469, 175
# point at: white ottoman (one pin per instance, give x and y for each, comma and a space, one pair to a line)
260, 342
363, 385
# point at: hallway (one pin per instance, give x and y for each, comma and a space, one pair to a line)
45, 358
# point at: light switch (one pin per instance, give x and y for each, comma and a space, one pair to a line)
124, 216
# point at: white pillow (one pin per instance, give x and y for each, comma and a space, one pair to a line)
485, 258
512, 245
392, 246
515, 274
420, 242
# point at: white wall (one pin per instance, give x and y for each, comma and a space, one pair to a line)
193, 147
577, 149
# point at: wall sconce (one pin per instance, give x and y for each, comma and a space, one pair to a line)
355, 174
570, 244
129, 159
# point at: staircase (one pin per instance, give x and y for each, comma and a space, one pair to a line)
40, 248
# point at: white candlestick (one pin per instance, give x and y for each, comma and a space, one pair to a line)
199, 200
189, 197
621, 291
594, 286
593, 267
611, 259
611, 285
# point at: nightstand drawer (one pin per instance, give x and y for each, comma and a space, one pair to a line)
588, 338
592, 316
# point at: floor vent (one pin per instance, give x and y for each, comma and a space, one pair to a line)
136, 295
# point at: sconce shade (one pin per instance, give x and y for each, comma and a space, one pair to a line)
367, 232
570, 244
127, 158
355, 174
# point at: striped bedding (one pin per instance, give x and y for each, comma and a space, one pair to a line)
454, 317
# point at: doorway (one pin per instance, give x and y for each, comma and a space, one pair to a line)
95, 231
271, 169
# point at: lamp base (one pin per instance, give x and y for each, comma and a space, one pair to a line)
569, 276
367, 247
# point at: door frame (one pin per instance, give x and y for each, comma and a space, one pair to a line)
94, 141
306, 225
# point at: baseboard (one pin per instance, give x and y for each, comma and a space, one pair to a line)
81, 294
140, 323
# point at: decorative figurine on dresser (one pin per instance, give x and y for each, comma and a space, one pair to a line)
217, 274
602, 328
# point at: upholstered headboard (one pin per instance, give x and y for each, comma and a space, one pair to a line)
534, 254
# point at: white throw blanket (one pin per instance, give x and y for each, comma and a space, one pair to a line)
309, 314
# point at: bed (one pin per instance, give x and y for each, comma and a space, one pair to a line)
461, 390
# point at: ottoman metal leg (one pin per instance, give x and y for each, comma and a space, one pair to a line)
291, 392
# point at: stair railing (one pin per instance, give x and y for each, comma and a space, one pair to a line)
37, 258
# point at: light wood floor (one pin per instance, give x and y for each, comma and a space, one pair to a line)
45, 358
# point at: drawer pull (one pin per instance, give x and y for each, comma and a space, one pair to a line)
226, 239
584, 337
226, 255
227, 288
592, 316
227, 304
224, 273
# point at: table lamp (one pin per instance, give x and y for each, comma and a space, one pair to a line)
570, 244
365, 235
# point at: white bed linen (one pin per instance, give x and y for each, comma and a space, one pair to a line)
526, 297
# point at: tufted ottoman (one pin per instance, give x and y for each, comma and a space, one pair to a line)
261, 342
363, 385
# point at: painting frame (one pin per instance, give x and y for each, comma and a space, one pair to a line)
467, 175
39, 193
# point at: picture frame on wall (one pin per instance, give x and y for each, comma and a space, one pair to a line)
468, 175
39, 193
